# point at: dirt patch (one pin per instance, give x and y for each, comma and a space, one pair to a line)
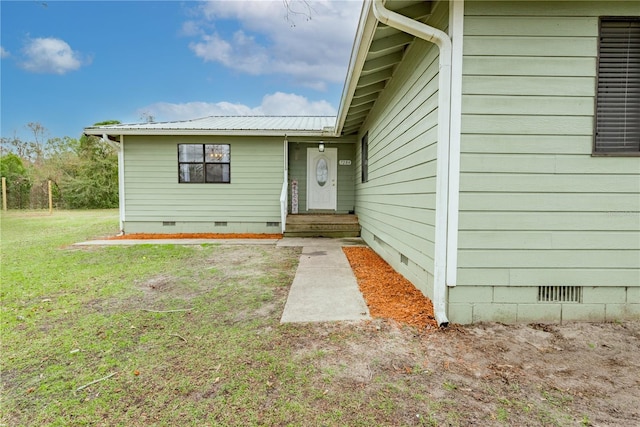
154, 236
234, 267
486, 374
387, 293
537, 374
165, 286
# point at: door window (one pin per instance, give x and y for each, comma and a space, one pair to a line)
322, 172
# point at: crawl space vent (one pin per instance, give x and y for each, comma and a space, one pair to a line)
559, 294
168, 223
404, 259
220, 224
273, 224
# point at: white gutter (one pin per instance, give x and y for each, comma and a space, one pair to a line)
442, 40
120, 149
211, 132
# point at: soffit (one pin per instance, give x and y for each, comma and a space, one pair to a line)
385, 52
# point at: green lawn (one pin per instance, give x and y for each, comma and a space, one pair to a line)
73, 315
190, 336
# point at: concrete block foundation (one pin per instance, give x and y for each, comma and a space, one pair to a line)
526, 304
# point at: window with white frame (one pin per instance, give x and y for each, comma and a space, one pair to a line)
617, 125
204, 163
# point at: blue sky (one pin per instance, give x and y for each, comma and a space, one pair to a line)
70, 64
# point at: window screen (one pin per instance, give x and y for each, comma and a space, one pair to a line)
618, 97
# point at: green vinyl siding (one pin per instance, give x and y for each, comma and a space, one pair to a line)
396, 206
535, 207
153, 194
298, 172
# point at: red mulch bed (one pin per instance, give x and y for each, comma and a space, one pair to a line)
152, 236
387, 293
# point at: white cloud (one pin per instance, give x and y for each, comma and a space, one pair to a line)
310, 40
50, 55
4, 53
243, 53
191, 29
276, 104
290, 104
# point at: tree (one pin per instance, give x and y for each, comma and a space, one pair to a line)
23, 149
297, 8
18, 182
92, 183
38, 132
84, 171
107, 123
60, 160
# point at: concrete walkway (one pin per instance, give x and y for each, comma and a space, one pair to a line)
324, 287
129, 242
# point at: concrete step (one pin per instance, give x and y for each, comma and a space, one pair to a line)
325, 226
322, 226
322, 233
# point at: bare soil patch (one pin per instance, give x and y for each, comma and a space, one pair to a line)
230, 266
536, 374
486, 374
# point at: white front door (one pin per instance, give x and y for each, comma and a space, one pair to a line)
322, 178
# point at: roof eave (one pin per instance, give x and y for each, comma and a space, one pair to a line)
364, 37
207, 132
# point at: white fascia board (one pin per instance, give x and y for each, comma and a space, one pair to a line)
202, 132
364, 37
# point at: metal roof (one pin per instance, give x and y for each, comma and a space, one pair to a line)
225, 125
377, 50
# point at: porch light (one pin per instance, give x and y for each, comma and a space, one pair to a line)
321, 147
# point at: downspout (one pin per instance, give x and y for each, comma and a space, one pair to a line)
456, 29
442, 40
119, 148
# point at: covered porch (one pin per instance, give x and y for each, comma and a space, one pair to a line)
318, 197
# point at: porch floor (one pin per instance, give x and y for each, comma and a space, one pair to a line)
322, 225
